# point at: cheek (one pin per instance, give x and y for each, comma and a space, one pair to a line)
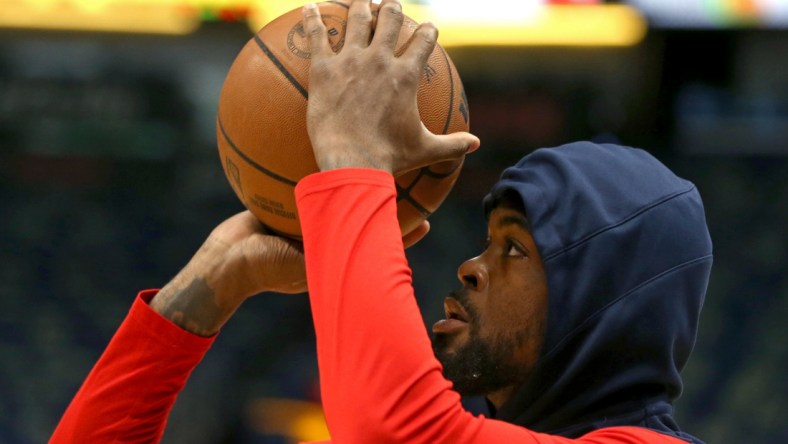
519, 306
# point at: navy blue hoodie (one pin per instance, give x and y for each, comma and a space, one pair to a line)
627, 255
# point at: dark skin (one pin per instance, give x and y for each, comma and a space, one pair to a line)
504, 301
238, 260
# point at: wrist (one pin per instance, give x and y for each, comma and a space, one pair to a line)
192, 305
336, 154
197, 299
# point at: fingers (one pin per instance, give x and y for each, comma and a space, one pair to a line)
451, 146
435, 149
473, 143
316, 32
416, 235
359, 24
390, 20
422, 44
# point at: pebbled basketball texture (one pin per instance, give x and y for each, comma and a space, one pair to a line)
261, 122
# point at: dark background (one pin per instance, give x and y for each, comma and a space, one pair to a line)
109, 181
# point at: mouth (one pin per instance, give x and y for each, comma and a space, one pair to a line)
456, 320
454, 310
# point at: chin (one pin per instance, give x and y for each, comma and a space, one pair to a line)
446, 345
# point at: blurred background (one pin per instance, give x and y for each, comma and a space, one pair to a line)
110, 180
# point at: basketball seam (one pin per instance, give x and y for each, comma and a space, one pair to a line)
426, 170
280, 66
415, 181
251, 162
451, 91
413, 202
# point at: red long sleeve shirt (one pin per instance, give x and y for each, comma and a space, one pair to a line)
380, 381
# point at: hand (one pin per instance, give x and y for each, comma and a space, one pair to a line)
362, 109
238, 260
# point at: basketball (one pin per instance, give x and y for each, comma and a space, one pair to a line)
261, 122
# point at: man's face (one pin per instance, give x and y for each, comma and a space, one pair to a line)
494, 325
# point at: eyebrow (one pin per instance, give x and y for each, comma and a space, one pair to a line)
514, 219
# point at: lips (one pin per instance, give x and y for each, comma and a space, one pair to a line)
454, 310
456, 318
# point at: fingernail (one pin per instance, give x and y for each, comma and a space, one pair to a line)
310, 7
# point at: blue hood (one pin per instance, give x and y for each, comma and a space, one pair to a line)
627, 254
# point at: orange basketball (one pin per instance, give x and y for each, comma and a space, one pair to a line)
261, 122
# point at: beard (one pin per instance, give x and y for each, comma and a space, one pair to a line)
479, 366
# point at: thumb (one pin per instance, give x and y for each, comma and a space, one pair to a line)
453, 146
447, 147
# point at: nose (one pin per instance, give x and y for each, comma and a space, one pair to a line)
473, 274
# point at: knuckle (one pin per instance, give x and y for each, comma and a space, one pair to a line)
380, 60
414, 73
414, 76
360, 17
314, 30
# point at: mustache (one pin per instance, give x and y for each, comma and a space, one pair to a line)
462, 297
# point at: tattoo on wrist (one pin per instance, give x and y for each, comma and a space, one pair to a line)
192, 308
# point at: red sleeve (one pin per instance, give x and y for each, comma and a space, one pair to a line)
380, 381
131, 389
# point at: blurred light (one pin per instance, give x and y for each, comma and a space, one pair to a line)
715, 13
223, 10
493, 11
135, 16
543, 25
301, 421
510, 22
574, 2
265, 11
462, 22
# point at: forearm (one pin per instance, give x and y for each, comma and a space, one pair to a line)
379, 379
131, 389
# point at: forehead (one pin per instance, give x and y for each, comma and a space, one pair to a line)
504, 216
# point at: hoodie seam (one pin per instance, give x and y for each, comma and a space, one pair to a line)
639, 415
626, 294
623, 221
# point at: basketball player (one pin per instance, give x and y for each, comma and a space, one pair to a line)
574, 321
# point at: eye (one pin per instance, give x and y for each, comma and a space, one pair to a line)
514, 250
